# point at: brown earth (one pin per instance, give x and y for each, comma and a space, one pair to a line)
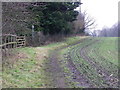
58, 76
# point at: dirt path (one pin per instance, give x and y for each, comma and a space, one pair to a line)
58, 76
57, 72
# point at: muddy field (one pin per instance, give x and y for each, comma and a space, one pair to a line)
88, 63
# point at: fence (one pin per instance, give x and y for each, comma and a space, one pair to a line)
10, 41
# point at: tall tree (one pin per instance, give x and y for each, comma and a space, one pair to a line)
53, 17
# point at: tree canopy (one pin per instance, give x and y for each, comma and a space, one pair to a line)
53, 17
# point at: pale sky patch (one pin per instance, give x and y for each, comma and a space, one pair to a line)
105, 12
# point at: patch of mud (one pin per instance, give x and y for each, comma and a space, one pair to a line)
57, 72
77, 76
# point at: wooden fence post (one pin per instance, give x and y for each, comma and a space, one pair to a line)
12, 41
5, 47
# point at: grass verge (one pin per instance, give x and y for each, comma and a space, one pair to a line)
28, 69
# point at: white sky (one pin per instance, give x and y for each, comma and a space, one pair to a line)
105, 12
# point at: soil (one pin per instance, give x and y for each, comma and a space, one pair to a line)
110, 81
56, 71
58, 74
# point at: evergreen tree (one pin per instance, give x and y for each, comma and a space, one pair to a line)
53, 17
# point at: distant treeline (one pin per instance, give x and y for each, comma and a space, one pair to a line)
114, 31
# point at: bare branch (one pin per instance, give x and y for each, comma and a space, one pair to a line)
89, 22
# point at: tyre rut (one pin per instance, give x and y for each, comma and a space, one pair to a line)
105, 75
58, 73
55, 70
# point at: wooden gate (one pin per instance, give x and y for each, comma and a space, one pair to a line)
12, 41
9, 43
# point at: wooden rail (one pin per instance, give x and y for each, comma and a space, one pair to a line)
12, 41
9, 43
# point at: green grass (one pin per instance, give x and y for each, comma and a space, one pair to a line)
64, 62
66, 42
26, 71
83, 66
21, 74
103, 52
109, 49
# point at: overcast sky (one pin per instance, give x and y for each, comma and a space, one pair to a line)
104, 11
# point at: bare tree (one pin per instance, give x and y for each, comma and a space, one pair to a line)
84, 23
89, 22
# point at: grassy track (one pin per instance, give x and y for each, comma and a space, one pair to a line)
97, 61
75, 62
30, 65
